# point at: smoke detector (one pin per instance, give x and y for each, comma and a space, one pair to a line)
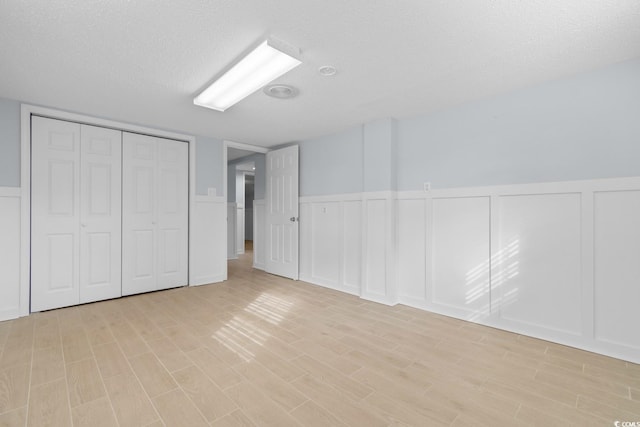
327, 70
281, 91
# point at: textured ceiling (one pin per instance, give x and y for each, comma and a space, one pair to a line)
143, 61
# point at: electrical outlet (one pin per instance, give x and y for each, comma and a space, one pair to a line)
427, 186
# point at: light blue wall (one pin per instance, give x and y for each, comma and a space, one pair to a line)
9, 143
332, 164
209, 165
379, 155
583, 127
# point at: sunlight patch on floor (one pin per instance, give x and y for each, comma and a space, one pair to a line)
240, 335
269, 308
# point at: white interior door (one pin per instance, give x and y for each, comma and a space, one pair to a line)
172, 218
100, 213
55, 213
282, 212
154, 213
75, 213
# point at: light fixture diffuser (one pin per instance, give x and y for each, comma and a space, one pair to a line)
260, 67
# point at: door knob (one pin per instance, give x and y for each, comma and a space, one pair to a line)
292, 219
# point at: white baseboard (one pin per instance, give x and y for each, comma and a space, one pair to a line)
324, 284
201, 281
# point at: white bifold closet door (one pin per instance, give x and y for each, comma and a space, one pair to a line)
75, 213
154, 213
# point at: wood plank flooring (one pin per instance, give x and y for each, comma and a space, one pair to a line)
260, 350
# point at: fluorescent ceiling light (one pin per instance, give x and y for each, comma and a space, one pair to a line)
260, 67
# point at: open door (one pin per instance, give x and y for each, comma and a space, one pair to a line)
282, 212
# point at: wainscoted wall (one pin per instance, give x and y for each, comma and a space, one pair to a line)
207, 248
259, 249
616, 243
231, 224
331, 241
9, 253
240, 228
378, 248
248, 223
207, 260
558, 261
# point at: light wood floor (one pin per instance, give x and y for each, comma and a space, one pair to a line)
261, 350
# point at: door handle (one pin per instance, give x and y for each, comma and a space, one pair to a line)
293, 219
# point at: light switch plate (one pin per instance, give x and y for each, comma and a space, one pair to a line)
427, 187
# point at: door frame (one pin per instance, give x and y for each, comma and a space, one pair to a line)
26, 110
225, 163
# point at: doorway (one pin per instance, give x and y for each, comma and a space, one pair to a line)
245, 189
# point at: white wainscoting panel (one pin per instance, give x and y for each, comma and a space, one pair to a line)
375, 261
330, 242
306, 232
538, 266
378, 248
558, 261
412, 249
208, 246
326, 243
460, 255
259, 249
232, 228
248, 224
564, 259
352, 246
617, 267
9, 253
240, 229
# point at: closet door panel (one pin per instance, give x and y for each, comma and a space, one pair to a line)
100, 223
55, 213
139, 238
173, 224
